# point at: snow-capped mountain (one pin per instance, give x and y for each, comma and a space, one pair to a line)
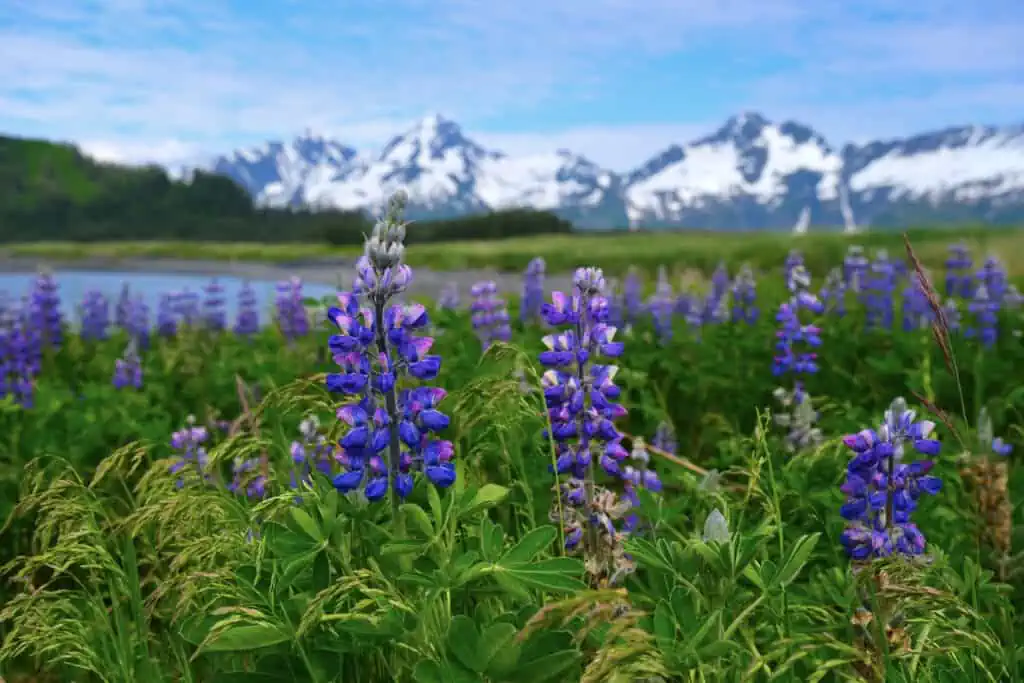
751, 173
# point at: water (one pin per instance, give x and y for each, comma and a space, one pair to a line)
74, 284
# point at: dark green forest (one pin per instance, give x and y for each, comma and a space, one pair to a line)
51, 192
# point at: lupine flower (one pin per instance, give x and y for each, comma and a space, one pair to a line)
533, 290
190, 453
123, 307
490, 314
247, 321
128, 368
291, 315
882, 489
187, 307
449, 297
665, 438
313, 452
855, 270
916, 311
632, 297
958, 280
248, 478
580, 395
166, 316
833, 293
15, 359
661, 306
214, 315
637, 475
985, 317
137, 324
744, 296
95, 316
45, 310
715, 309
795, 355
375, 347
878, 295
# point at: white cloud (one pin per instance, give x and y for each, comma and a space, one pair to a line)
160, 80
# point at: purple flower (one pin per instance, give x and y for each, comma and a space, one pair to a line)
291, 315
533, 290
214, 315
248, 320
391, 433
95, 316
489, 314
190, 452
882, 489
128, 369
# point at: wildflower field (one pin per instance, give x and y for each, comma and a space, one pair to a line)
785, 474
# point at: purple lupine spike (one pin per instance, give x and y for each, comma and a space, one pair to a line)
391, 432
796, 355
632, 297
878, 295
958, 280
661, 306
138, 322
833, 292
45, 309
291, 317
247, 322
213, 313
744, 296
247, 478
916, 310
533, 290
489, 314
190, 452
166, 316
984, 312
187, 308
95, 316
128, 368
123, 307
449, 298
882, 489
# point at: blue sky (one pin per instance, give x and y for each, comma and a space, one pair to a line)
617, 80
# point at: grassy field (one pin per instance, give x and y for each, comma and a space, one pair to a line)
615, 252
244, 552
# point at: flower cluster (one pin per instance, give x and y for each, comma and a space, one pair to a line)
247, 321
94, 313
882, 489
190, 452
128, 368
290, 311
392, 432
580, 395
744, 296
214, 314
533, 290
795, 355
490, 314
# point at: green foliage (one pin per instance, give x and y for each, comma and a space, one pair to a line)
114, 574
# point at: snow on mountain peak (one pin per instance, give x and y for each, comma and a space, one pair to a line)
749, 173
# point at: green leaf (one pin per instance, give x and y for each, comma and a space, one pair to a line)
244, 637
306, 523
492, 539
796, 559
556, 575
417, 516
434, 499
550, 667
464, 643
498, 648
530, 545
486, 496
428, 671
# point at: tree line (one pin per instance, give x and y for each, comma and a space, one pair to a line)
52, 192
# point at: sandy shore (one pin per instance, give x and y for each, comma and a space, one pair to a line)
427, 283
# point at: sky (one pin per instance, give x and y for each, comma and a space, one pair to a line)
169, 81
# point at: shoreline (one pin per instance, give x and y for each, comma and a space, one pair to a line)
426, 282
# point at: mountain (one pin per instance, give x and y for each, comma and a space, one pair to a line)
752, 173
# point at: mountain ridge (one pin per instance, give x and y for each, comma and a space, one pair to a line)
750, 173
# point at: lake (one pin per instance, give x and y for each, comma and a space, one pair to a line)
74, 284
